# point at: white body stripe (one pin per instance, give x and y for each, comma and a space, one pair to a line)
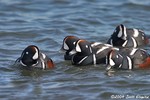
100, 50
94, 59
136, 33
129, 62
125, 43
133, 52
120, 65
95, 44
82, 60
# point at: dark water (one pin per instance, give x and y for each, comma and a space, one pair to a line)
45, 23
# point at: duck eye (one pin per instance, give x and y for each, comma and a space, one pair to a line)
27, 53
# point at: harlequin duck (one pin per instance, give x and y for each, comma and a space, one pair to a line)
90, 53
128, 58
69, 45
31, 57
128, 37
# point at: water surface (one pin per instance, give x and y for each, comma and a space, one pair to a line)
45, 23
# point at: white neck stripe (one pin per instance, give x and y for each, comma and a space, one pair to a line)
125, 32
22, 63
36, 54
134, 42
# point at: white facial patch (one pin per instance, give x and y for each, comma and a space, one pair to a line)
136, 33
36, 55
66, 46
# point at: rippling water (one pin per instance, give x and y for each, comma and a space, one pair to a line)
45, 23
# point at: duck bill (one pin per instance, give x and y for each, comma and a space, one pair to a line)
146, 63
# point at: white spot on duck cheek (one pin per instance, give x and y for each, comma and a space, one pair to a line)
36, 55
66, 46
74, 43
134, 42
117, 56
86, 46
